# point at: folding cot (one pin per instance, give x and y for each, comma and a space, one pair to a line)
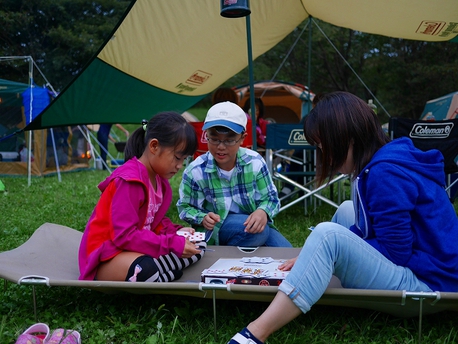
49, 258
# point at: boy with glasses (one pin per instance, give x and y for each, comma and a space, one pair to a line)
228, 190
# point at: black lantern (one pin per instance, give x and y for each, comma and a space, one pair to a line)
235, 8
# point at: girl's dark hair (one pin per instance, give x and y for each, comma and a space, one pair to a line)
169, 128
338, 120
258, 102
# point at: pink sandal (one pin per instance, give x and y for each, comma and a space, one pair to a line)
62, 336
35, 334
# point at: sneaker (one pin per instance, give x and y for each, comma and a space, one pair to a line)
244, 337
240, 339
62, 336
35, 334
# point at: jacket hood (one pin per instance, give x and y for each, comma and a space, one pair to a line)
401, 151
130, 168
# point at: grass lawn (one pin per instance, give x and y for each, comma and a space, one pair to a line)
128, 318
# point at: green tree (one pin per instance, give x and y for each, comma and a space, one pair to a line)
415, 72
60, 35
402, 74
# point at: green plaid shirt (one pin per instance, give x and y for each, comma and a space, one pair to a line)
204, 189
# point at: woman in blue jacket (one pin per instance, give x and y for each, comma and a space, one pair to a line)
398, 233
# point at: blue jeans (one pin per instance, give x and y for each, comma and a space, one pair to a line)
102, 136
333, 249
232, 233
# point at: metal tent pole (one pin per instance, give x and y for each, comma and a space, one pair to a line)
309, 82
29, 149
251, 77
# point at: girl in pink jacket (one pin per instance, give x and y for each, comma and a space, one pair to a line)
128, 237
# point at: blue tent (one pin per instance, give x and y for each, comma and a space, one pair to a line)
35, 100
20, 104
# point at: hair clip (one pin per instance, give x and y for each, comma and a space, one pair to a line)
144, 124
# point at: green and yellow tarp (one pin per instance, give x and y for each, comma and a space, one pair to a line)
169, 54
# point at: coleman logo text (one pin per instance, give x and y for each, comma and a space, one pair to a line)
431, 130
297, 138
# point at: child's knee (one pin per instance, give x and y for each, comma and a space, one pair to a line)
142, 269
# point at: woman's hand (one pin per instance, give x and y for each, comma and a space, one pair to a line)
190, 249
288, 265
210, 220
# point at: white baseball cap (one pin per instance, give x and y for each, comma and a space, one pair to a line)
228, 115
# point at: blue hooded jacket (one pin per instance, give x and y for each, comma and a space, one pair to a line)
403, 211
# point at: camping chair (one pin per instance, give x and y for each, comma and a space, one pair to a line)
425, 135
119, 146
282, 138
202, 146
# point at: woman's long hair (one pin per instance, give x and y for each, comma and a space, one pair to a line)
339, 120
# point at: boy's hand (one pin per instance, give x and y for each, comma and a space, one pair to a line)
210, 220
256, 222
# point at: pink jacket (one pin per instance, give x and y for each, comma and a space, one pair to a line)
117, 222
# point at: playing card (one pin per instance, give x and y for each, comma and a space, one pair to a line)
257, 260
196, 237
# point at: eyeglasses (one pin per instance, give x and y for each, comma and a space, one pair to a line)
227, 143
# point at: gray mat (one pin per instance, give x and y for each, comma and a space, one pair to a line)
49, 258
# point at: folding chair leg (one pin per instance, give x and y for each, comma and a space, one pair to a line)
307, 192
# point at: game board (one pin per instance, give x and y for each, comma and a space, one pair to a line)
261, 271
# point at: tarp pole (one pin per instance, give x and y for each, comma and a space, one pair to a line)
56, 158
309, 82
94, 151
251, 77
29, 160
29, 150
86, 134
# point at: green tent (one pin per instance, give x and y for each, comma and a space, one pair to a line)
11, 118
169, 54
10, 93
